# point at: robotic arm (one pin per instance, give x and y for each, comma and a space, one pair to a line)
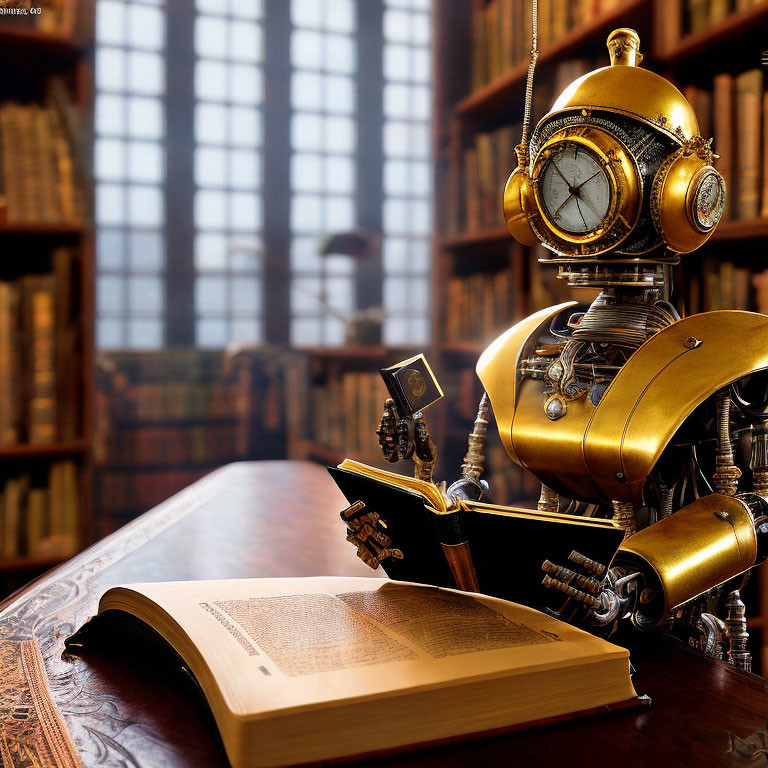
406, 437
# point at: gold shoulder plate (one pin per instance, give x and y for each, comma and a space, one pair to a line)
497, 368
660, 386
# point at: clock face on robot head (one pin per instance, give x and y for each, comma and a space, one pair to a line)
575, 190
616, 168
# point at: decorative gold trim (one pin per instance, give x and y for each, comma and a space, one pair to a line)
32, 732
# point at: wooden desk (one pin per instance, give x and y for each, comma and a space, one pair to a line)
281, 519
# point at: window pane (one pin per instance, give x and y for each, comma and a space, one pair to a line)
210, 123
110, 69
110, 22
129, 164
145, 118
145, 206
109, 114
145, 295
145, 334
211, 252
109, 159
146, 251
145, 72
146, 27
228, 205
211, 295
211, 36
406, 211
145, 162
110, 249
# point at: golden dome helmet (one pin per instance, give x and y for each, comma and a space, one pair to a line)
616, 169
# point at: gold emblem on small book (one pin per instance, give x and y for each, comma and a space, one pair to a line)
416, 383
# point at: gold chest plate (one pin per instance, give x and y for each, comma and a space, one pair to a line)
607, 452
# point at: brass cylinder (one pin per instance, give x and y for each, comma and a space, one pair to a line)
702, 545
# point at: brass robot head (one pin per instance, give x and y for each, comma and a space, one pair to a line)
616, 170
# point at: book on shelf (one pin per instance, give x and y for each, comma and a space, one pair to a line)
42, 178
40, 512
735, 109
313, 669
692, 17
469, 545
479, 307
40, 356
501, 31
56, 17
719, 284
344, 410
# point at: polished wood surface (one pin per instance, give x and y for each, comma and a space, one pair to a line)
133, 708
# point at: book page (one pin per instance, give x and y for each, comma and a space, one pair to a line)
284, 643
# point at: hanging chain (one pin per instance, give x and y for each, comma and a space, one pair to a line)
529, 80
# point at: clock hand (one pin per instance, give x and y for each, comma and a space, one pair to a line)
560, 173
562, 205
586, 226
596, 173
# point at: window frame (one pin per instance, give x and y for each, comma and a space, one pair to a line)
178, 187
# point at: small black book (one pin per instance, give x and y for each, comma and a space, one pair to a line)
412, 385
473, 546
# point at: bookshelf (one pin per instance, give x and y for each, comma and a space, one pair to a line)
688, 50
46, 290
164, 419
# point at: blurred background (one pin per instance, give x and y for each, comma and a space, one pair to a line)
220, 218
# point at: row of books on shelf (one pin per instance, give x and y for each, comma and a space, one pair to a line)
700, 15
482, 305
42, 170
57, 17
479, 306
171, 446
39, 356
128, 494
40, 516
345, 411
174, 400
502, 31
734, 110
177, 384
724, 285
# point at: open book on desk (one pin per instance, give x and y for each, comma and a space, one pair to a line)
303, 670
473, 546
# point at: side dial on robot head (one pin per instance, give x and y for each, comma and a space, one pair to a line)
687, 197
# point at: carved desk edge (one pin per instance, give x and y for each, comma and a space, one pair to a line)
34, 622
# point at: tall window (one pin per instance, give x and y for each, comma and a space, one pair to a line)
130, 172
322, 166
407, 176
196, 147
228, 204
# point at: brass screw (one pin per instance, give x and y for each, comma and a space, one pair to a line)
692, 342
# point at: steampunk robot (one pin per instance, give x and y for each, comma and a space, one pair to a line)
625, 408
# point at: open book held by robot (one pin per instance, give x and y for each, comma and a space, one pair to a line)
625, 409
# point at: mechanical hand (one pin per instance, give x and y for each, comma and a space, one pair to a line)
582, 591
406, 437
366, 531
394, 434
